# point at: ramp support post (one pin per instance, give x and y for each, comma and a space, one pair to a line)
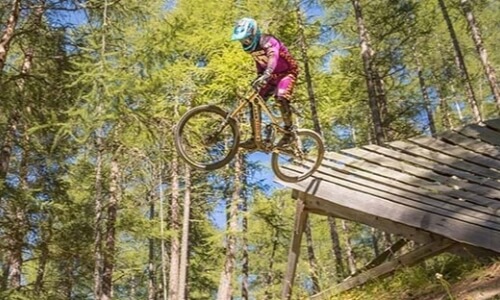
294, 252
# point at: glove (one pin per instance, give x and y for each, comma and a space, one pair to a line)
261, 80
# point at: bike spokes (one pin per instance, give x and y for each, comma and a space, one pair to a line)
206, 140
301, 158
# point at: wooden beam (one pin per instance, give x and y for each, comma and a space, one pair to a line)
383, 256
452, 209
494, 124
458, 187
428, 163
477, 234
301, 215
445, 159
385, 269
327, 208
471, 144
351, 167
457, 152
481, 132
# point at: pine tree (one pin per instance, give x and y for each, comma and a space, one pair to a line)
460, 62
475, 31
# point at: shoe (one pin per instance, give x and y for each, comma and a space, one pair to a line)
286, 140
248, 144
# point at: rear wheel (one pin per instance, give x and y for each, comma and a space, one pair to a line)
205, 138
301, 159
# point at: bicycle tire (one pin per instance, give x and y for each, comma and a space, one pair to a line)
214, 115
306, 166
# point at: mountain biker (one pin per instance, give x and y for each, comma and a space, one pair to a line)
277, 70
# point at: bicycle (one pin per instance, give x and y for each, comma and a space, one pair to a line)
207, 137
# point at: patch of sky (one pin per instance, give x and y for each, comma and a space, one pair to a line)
170, 5
66, 15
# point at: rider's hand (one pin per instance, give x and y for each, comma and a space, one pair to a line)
261, 81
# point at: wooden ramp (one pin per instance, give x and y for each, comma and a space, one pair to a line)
441, 192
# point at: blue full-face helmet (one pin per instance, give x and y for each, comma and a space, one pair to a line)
247, 32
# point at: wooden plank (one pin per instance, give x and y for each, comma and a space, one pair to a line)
356, 167
494, 123
293, 254
453, 205
445, 159
449, 210
389, 252
460, 188
458, 152
453, 229
434, 166
439, 193
352, 165
321, 207
471, 144
406, 260
481, 132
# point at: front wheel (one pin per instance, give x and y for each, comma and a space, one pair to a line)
206, 138
302, 158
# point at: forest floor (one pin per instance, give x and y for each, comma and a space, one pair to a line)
481, 285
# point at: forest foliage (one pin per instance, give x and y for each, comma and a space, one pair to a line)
92, 192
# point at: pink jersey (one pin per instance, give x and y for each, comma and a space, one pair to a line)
272, 56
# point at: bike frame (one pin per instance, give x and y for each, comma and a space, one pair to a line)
257, 105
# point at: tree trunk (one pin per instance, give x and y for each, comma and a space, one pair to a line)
109, 252
351, 260
8, 143
245, 286
317, 128
270, 273
173, 282
460, 62
313, 264
44, 254
162, 234
133, 287
99, 201
307, 71
14, 242
425, 94
99, 204
382, 101
375, 246
483, 54
8, 33
445, 113
386, 240
184, 263
18, 208
68, 279
225, 287
336, 249
367, 54
151, 254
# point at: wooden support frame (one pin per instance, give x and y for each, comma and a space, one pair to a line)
441, 192
387, 268
301, 215
383, 256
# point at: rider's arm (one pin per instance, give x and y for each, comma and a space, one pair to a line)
260, 69
272, 48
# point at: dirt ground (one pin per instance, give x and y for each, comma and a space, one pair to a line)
482, 286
